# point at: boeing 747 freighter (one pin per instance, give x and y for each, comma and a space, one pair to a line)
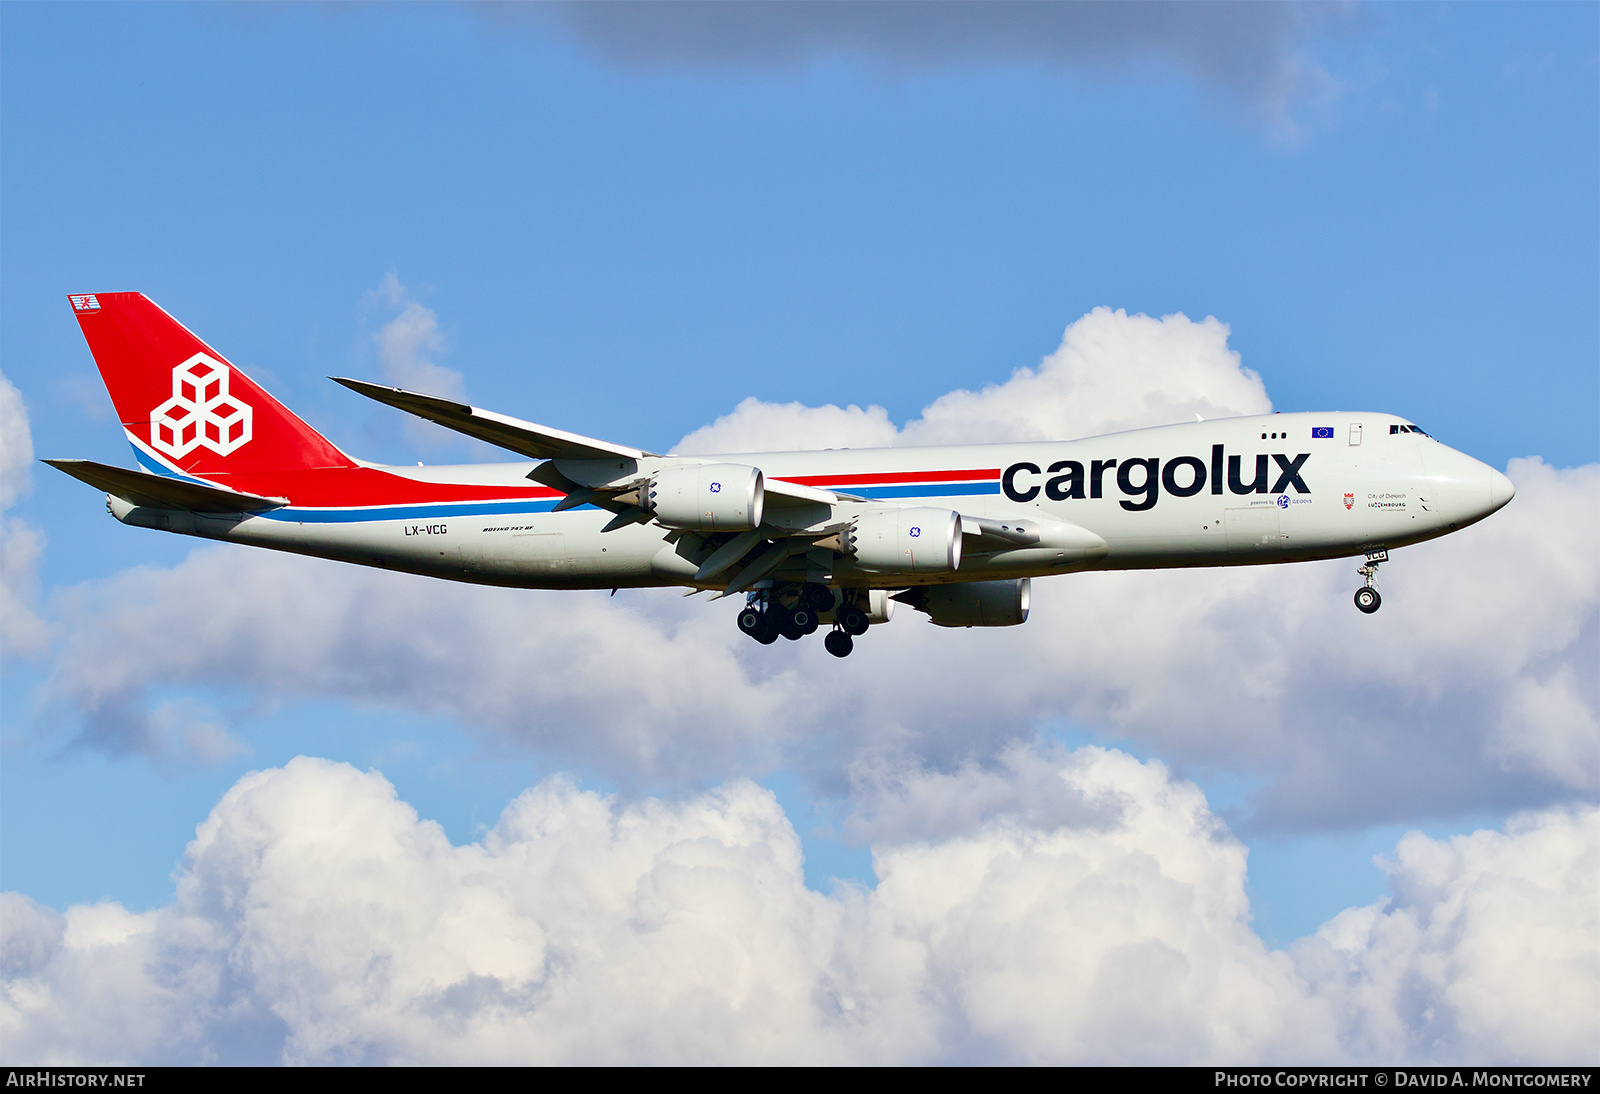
810, 539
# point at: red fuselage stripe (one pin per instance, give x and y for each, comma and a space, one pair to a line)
337, 486
895, 476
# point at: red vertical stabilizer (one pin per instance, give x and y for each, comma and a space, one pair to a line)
183, 404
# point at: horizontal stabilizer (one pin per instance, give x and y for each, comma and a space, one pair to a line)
163, 491
538, 441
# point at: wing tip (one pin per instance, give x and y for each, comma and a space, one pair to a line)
356, 385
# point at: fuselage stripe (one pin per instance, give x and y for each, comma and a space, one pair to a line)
894, 476
294, 515
883, 486
306, 515
933, 490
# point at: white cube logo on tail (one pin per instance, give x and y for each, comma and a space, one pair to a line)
201, 413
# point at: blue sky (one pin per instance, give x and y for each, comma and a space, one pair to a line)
1392, 207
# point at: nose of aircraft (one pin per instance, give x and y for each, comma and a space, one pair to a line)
1500, 489
1466, 490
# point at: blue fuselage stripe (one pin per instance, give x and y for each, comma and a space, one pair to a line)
155, 468
408, 512
936, 490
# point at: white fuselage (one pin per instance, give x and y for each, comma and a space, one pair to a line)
1232, 491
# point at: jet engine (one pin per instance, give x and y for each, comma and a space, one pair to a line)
880, 606
975, 604
708, 497
904, 541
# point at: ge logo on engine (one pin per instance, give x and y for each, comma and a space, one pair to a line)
715, 488
201, 413
915, 532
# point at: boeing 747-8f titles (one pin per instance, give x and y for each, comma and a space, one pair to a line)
811, 539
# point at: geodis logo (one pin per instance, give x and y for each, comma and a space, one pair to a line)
1182, 477
201, 413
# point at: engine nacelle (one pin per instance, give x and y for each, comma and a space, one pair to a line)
708, 497
880, 606
904, 541
975, 604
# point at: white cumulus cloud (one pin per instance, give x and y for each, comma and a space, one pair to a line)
408, 348
1472, 690
22, 632
16, 444
319, 920
1489, 948
644, 687
1112, 371
408, 343
755, 426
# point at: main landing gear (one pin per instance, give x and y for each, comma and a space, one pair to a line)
796, 612
1367, 598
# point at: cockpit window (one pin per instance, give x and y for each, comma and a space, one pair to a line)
1409, 429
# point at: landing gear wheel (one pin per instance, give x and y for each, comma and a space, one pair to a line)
752, 622
839, 643
758, 625
853, 620
792, 625
819, 598
1368, 600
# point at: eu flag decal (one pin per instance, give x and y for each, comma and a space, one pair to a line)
1322, 432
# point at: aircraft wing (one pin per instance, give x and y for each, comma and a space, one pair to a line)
164, 491
794, 493
538, 441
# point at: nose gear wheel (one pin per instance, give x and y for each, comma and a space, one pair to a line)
1367, 598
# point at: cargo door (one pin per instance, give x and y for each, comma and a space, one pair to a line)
540, 553
1254, 530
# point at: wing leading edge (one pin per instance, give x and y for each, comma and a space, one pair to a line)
537, 441
541, 442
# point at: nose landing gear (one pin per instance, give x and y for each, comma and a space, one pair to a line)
1367, 598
